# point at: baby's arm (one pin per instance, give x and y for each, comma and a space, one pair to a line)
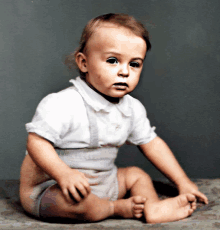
71, 181
163, 159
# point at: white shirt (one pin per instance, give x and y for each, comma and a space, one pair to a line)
62, 119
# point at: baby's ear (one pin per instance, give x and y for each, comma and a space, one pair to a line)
81, 62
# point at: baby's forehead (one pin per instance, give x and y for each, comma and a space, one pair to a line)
116, 40
105, 36
109, 26
109, 32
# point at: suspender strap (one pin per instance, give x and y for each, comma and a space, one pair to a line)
94, 135
93, 128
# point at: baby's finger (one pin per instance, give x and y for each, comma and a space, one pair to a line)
67, 195
82, 190
87, 176
201, 197
90, 176
86, 186
74, 195
92, 184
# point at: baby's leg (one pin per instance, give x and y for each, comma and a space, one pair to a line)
155, 210
91, 208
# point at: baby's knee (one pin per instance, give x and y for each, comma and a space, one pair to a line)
137, 172
134, 174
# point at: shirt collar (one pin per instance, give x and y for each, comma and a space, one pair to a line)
98, 102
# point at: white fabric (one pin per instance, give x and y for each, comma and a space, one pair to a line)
62, 119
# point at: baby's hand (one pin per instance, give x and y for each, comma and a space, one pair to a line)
190, 187
74, 185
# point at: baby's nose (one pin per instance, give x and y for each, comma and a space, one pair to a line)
124, 71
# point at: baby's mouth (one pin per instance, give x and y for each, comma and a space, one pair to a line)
120, 85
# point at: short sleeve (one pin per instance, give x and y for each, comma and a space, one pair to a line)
141, 131
51, 118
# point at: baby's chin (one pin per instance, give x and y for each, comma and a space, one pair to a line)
113, 97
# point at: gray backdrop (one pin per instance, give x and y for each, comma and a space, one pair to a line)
179, 85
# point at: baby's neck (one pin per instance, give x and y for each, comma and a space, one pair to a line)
114, 100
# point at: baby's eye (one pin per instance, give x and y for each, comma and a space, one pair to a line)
112, 60
134, 64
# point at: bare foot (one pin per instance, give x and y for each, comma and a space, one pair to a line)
132, 207
171, 209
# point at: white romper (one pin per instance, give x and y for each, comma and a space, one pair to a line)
94, 159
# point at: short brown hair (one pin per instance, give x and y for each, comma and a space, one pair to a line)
124, 20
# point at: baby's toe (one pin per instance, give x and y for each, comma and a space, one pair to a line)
193, 206
138, 211
138, 214
138, 207
190, 211
190, 197
139, 199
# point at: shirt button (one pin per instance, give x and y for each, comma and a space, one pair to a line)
117, 127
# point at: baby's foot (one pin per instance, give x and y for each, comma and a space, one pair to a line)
132, 207
171, 209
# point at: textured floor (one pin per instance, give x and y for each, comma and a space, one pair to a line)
205, 217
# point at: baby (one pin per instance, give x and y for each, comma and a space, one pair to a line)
75, 134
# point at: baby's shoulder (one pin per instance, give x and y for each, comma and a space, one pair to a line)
70, 95
134, 103
65, 98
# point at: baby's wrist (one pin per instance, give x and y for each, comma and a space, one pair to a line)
181, 182
62, 175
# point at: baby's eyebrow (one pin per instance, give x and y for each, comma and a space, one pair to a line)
114, 53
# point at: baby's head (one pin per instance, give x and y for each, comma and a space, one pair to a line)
111, 54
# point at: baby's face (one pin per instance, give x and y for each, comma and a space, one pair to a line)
114, 60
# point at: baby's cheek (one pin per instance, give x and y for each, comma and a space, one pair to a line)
111, 70
134, 82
